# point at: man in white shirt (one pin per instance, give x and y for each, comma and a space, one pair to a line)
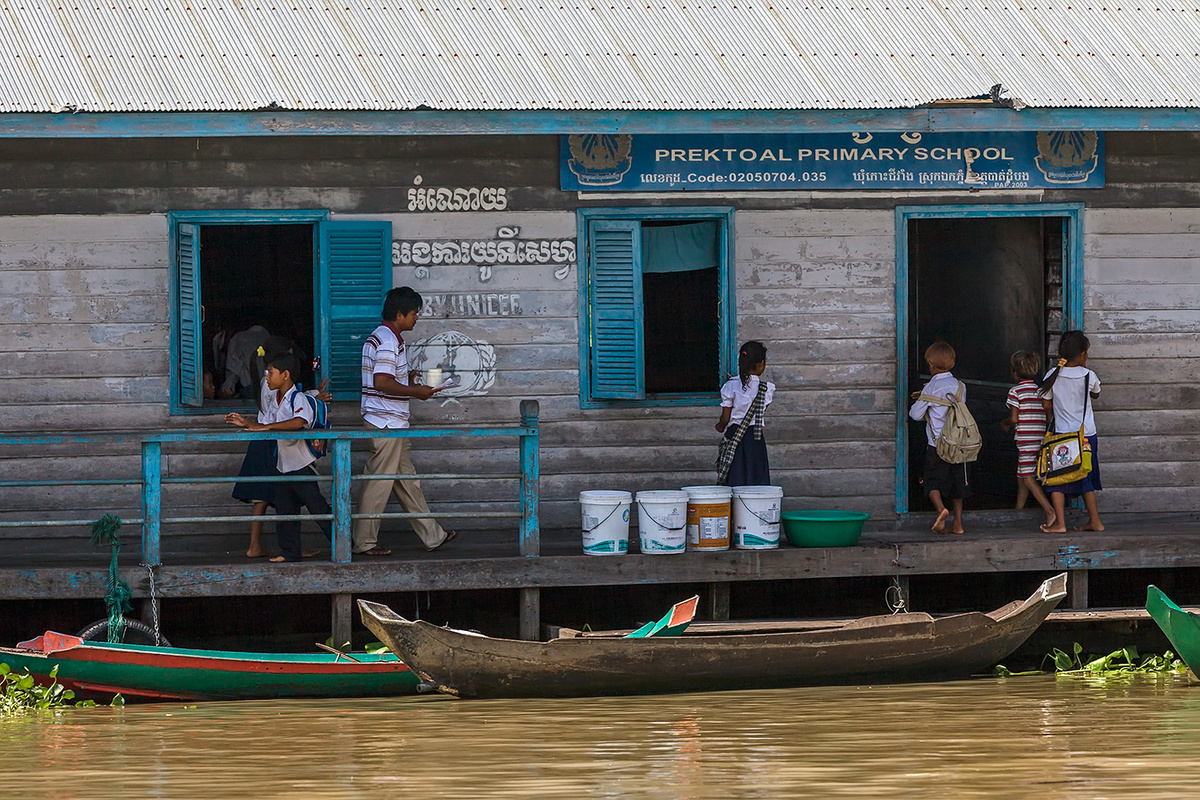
386, 389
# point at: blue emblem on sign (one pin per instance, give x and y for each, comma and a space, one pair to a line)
600, 159
1067, 156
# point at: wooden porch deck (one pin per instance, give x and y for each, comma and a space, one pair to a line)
997, 542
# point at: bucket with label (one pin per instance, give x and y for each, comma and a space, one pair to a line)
756, 517
708, 517
662, 521
605, 522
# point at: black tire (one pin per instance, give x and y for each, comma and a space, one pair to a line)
136, 632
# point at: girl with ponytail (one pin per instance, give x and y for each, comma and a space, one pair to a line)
1067, 392
739, 397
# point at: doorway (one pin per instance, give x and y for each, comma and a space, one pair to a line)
989, 284
257, 280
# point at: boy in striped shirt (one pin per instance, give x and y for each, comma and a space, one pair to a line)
1027, 419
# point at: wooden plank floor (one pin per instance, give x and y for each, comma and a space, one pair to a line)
996, 542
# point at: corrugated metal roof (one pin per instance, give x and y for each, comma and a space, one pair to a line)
213, 55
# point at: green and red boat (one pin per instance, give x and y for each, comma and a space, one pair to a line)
100, 670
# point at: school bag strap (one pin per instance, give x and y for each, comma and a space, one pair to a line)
729, 445
941, 401
959, 441
320, 411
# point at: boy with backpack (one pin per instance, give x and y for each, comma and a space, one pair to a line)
288, 409
951, 436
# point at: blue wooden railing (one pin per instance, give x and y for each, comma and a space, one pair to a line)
152, 479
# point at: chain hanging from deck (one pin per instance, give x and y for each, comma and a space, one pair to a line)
153, 605
894, 597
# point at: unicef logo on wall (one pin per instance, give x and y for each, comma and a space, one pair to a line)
1067, 156
470, 363
600, 159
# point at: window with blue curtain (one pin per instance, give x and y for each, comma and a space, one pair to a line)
657, 301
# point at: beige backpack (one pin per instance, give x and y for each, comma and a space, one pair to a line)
959, 441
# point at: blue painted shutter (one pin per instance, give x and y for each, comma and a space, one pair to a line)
615, 296
356, 272
191, 347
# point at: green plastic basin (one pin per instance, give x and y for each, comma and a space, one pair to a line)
823, 528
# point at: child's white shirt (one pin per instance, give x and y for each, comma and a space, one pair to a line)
734, 396
1069, 400
293, 453
941, 385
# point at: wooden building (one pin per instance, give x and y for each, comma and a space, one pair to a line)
146, 210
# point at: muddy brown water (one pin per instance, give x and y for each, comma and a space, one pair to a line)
1036, 737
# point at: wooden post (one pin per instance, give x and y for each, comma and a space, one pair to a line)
343, 605
341, 502
531, 614
151, 502
530, 535
718, 602
1077, 588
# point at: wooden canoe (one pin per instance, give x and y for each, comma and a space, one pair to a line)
99, 670
1181, 627
900, 647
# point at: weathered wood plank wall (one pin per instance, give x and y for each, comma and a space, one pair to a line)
84, 319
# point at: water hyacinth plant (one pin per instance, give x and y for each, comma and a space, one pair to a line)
1125, 661
20, 692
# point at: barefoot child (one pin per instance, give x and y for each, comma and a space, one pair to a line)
260, 455
287, 411
1067, 392
941, 480
750, 465
1027, 419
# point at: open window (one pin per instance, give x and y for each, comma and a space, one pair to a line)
241, 276
656, 305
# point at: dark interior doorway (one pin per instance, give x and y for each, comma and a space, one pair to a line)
989, 287
254, 275
681, 309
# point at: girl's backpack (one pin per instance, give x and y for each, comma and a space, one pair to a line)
318, 447
959, 441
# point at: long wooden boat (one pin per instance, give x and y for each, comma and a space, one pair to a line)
100, 670
1181, 627
872, 649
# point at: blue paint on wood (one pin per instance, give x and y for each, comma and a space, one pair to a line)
416, 123
530, 533
151, 502
355, 272
593, 393
341, 501
342, 515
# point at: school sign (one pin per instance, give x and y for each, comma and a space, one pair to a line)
740, 162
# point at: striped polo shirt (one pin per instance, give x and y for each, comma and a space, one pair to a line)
384, 354
1031, 417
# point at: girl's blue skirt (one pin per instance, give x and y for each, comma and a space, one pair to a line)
750, 465
259, 461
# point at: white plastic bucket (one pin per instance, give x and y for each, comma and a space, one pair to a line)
756, 517
605, 522
708, 517
662, 521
